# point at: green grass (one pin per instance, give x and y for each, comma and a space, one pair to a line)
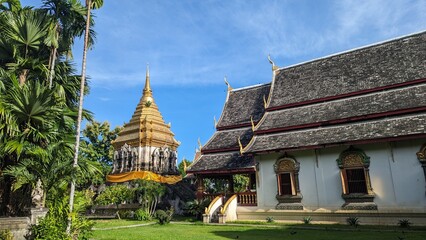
107, 223
261, 232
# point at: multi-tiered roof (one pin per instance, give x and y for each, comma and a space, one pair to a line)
371, 94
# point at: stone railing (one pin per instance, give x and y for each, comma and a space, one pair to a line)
247, 199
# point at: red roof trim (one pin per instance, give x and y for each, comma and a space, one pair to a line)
236, 126
351, 94
223, 171
357, 142
220, 150
343, 120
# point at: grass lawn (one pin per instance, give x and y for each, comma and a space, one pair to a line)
260, 232
107, 223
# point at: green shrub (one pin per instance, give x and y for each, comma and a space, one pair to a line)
115, 194
53, 226
307, 220
126, 214
6, 235
353, 221
142, 215
270, 219
163, 217
404, 223
196, 208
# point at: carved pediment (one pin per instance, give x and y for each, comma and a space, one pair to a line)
286, 164
353, 157
421, 155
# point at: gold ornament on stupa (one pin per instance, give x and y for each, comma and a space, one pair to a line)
145, 148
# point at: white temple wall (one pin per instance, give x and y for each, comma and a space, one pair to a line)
396, 177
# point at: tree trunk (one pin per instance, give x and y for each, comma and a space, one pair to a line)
80, 111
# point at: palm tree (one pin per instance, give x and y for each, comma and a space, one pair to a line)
89, 5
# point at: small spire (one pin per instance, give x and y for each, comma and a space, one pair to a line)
264, 101
147, 81
215, 121
274, 67
252, 123
199, 144
227, 84
241, 146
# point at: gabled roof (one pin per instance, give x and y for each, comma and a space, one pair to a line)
221, 153
401, 127
389, 63
227, 140
242, 105
371, 94
228, 162
368, 106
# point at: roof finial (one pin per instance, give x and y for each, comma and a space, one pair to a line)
241, 146
215, 121
252, 123
264, 101
184, 166
227, 84
199, 144
274, 67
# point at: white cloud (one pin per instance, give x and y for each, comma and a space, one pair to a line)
200, 42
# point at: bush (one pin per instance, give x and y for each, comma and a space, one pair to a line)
126, 214
164, 217
142, 215
53, 226
6, 235
270, 219
196, 208
307, 220
353, 221
404, 223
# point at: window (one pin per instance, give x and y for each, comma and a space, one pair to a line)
356, 180
356, 186
285, 187
288, 193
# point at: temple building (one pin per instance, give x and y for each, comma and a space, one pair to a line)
145, 148
339, 136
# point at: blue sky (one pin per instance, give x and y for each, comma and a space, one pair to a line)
191, 45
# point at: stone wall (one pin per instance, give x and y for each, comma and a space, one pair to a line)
17, 225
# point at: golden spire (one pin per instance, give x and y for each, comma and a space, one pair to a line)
147, 126
147, 92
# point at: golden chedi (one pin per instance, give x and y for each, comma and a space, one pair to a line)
145, 148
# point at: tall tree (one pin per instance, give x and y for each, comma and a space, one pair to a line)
96, 147
89, 6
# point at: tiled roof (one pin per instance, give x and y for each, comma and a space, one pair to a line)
405, 126
382, 103
229, 161
243, 104
388, 63
228, 139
